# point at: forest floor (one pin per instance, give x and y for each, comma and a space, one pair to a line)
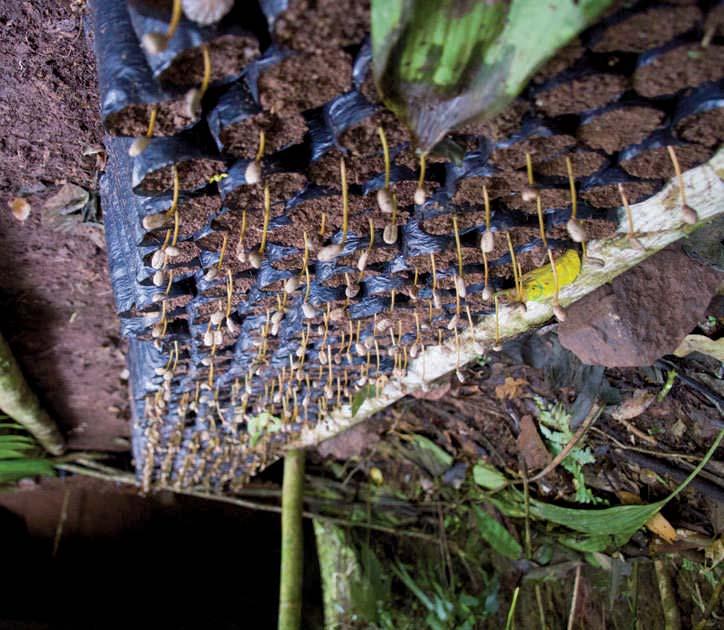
409, 469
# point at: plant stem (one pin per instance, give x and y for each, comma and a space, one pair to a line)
290, 584
672, 620
19, 402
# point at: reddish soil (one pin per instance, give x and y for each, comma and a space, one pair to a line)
305, 81
172, 116
312, 25
227, 53
582, 94
57, 309
706, 128
655, 162
648, 29
682, 67
281, 130
620, 127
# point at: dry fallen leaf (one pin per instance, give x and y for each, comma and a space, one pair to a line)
434, 393
634, 406
20, 208
510, 389
657, 524
702, 344
530, 443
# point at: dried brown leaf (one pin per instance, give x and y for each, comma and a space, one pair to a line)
20, 208
510, 389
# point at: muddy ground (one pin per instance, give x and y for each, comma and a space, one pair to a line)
56, 307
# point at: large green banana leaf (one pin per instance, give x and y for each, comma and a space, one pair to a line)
441, 63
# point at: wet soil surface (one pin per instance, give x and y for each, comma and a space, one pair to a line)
55, 298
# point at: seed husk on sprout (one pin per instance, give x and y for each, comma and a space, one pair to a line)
253, 173
635, 243
155, 42
487, 240
688, 214
206, 12
558, 310
330, 252
419, 198
575, 230
140, 144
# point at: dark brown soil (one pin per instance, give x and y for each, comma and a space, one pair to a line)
282, 186
57, 310
312, 25
584, 163
540, 148
363, 138
193, 174
172, 116
194, 213
501, 126
620, 127
706, 128
682, 67
582, 94
609, 197
305, 81
281, 130
563, 59
648, 29
48, 109
657, 163
550, 198
714, 23
229, 54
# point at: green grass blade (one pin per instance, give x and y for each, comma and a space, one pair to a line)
14, 469
496, 535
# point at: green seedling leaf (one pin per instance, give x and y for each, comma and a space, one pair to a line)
14, 469
430, 456
362, 395
488, 477
257, 426
496, 535
441, 63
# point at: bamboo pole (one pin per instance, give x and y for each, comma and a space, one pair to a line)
19, 402
290, 580
658, 222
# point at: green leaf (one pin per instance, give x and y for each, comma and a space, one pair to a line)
14, 469
441, 63
621, 521
362, 395
430, 456
488, 476
496, 535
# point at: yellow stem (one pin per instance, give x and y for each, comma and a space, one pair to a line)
152, 121
514, 262
229, 291
457, 245
386, 151
529, 168
262, 144
629, 214
223, 251
555, 276
207, 70
486, 201
677, 170
175, 19
345, 200
572, 186
423, 161
267, 214
541, 225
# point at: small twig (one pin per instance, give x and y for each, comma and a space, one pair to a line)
590, 419
61, 522
711, 606
574, 598
672, 620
